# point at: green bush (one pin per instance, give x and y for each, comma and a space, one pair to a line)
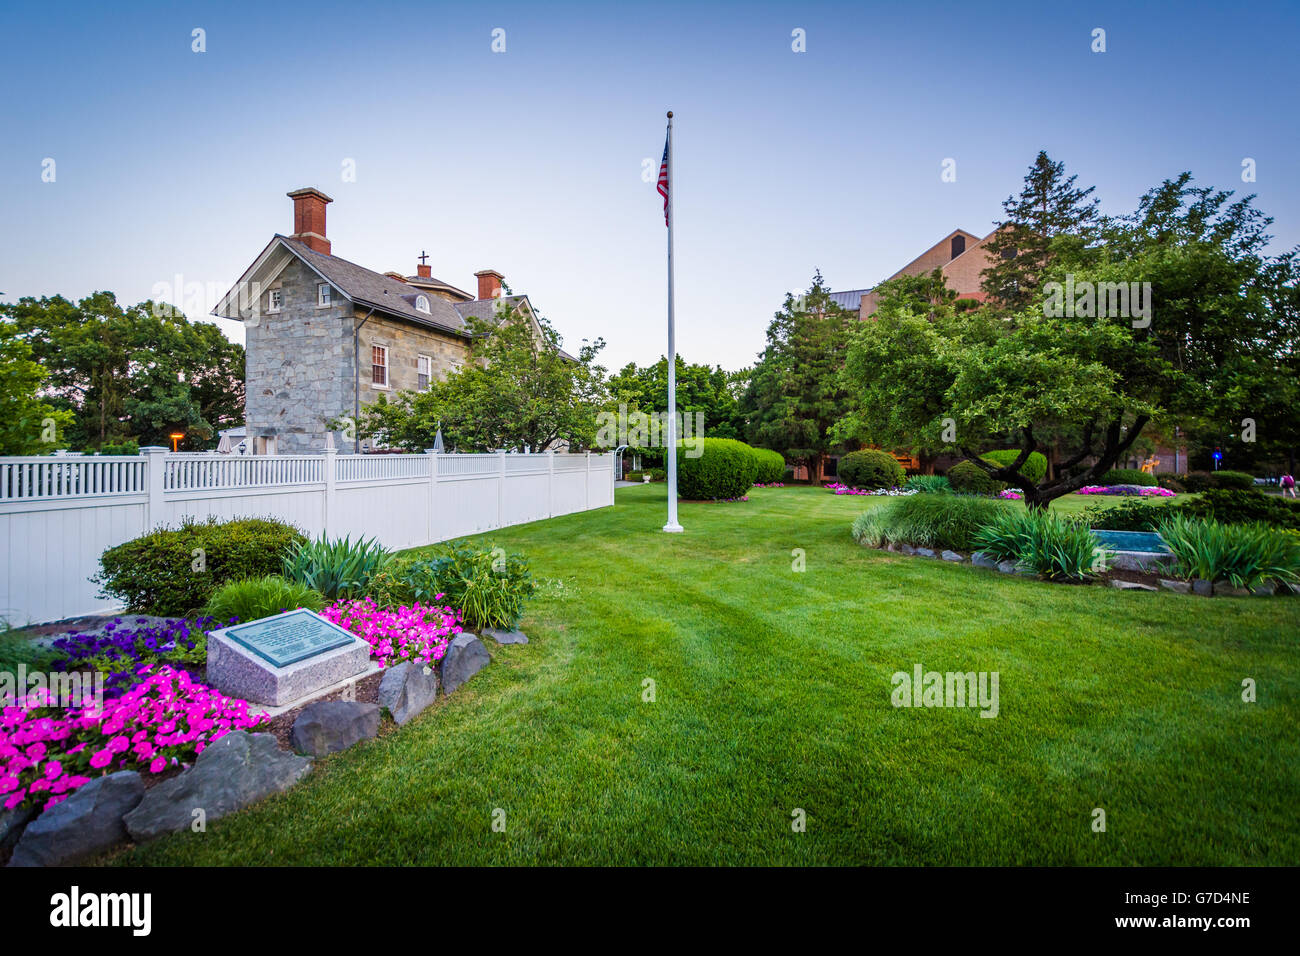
489, 586
770, 466
173, 571
1034, 468
1128, 476
927, 521
1050, 545
658, 474
1240, 506
870, 468
1232, 479
929, 484
1244, 555
1172, 482
968, 478
125, 448
724, 469
337, 569
635, 475
788, 475
252, 598
1131, 514
1196, 481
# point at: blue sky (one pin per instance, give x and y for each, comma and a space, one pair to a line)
170, 162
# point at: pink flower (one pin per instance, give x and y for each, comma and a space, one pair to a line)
158, 765
101, 759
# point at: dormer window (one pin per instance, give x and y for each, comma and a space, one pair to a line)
422, 304
274, 300
322, 295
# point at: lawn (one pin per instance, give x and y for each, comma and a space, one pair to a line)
772, 694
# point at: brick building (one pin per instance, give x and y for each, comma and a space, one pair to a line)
325, 335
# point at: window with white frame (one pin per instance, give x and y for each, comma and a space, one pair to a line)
421, 304
379, 366
322, 295
423, 372
274, 299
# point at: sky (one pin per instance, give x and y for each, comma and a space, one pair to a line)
170, 166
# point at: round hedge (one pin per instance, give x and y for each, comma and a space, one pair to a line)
1231, 479
770, 466
725, 468
1129, 476
968, 478
870, 468
1034, 468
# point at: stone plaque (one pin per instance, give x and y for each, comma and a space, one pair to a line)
289, 638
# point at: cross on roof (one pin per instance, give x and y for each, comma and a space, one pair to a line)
423, 256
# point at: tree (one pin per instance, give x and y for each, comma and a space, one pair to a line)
137, 372
517, 391
1049, 207
795, 395
28, 426
1221, 317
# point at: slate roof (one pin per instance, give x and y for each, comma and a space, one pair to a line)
486, 308
384, 293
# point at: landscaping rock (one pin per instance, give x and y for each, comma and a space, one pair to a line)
328, 726
982, 560
82, 826
238, 770
1007, 567
407, 689
925, 552
952, 556
1130, 585
1203, 588
1182, 587
465, 657
505, 637
11, 825
1227, 590
907, 549
1264, 590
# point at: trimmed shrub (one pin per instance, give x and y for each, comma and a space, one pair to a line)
1196, 481
787, 476
870, 468
1232, 479
1034, 468
1243, 555
770, 466
927, 521
929, 485
724, 469
968, 478
154, 573
253, 598
1128, 476
1052, 546
1172, 482
635, 475
125, 448
1240, 506
337, 569
658, 474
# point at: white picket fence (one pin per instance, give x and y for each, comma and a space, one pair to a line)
59, 514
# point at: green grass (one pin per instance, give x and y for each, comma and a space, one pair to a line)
773, 693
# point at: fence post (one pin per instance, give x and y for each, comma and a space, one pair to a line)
587, 483
155, 456
501, 488
433, 494
550, 482
331, 489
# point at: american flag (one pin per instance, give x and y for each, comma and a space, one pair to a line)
663, 181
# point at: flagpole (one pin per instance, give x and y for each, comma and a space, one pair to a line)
672, 525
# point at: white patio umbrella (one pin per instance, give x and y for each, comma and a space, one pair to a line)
223, 446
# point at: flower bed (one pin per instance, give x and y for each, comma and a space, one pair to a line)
1139, 490
841, 489
165, 720
420, 632
119, 650
1010, 495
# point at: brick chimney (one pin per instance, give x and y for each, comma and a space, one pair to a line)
489, 284
309, 218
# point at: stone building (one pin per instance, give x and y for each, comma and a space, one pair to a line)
325, 335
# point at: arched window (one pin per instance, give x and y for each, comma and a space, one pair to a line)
958, 246
422, 304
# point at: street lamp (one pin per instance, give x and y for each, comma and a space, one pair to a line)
176, 437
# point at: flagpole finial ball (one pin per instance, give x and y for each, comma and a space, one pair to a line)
670, 114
